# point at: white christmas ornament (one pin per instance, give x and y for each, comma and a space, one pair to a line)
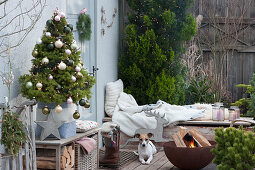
39, 41
58, 44
39, 86
57, 18
45, 60
69, 100
73, 79
62, 14
58, 109
74, 46
68, 52
77, 69
50, 77
48, 34
62, 66
79, 65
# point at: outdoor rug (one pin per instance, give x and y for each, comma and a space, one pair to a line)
125, 156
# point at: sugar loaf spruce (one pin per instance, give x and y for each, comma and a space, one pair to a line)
57, 74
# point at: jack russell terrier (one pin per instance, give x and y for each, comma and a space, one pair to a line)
146, 148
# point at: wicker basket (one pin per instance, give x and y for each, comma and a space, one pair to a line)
84, 161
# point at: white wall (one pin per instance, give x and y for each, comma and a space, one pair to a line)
21, 56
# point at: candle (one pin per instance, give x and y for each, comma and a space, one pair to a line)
233, 115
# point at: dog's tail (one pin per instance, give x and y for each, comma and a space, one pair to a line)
136, 153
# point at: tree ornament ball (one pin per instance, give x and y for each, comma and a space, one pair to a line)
76, 115
70, 62
59, 86
79, 75
35, 53
49, 23
62, 14
50, 46
39, 86
59, 43
50, 77
62, 66
87, 104
68, 52
57, 18
67, 30
82, 102
73, 79
48, 34
74, 46
77, 69
29, 85
45, 110
69, 100
58, 109
45, 60
70, 26
39, 41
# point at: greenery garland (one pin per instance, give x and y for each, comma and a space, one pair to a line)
13, 134
83, 26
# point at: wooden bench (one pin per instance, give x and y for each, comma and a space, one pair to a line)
205, 127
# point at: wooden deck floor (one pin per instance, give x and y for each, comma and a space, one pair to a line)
159, 162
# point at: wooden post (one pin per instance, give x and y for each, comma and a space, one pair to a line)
32, 134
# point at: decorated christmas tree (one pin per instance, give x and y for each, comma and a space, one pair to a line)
57, 74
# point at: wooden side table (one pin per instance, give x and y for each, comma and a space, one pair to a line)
58, 144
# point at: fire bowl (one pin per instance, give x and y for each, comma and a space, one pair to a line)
189, 158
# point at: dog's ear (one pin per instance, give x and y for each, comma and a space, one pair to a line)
150, 135
137, 135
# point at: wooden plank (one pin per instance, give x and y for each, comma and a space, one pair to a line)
14, 163
167, 166
32, 136
68, 140
157, 164
20, 159
27, 156
7, 163
156, 158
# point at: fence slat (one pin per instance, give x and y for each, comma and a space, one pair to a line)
14, 162
27, 156
7, 163
32, 134
20, 160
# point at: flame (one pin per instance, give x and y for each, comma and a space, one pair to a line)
192, 144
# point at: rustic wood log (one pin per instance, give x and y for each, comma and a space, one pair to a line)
183, 131
178, 140
68, 158
199, 137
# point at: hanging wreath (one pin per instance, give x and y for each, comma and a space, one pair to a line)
83, 26
13, 132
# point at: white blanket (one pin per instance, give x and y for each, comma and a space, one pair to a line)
130, 116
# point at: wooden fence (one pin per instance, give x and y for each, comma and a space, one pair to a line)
234, 21
26, 158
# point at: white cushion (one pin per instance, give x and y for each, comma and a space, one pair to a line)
112, 93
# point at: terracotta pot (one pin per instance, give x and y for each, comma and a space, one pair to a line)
189, 158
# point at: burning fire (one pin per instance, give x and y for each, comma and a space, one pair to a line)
192, 144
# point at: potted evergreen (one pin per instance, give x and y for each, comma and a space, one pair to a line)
57, 78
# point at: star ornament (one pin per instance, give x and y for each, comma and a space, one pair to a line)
49, 127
